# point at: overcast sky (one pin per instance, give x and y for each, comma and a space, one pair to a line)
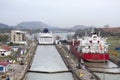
61, 13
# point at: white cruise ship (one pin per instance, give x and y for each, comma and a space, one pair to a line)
46, 37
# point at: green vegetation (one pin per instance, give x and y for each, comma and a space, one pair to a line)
103, 33
115, 42
7, 58
4, 38
15, 44
5, 30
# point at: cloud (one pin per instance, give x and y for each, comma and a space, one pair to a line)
61, 12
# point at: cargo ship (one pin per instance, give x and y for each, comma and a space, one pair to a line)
90, 48
46, 37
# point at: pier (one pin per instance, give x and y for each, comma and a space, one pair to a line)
78, 73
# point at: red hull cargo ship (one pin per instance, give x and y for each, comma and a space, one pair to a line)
90, 48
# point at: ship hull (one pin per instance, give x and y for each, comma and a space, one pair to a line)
92, 57
95, 57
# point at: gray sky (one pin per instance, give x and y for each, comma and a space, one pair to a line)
61, 13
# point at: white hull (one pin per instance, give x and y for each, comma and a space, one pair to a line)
47, 42
46, 38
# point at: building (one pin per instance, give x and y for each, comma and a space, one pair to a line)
15, 48
18, 37
4, 66
5, 50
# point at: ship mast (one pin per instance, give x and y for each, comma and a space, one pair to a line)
99, 33
92, 30
86, 33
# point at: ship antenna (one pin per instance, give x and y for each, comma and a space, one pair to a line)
85, 33
92, 30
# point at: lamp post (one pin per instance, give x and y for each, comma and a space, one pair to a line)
104, 67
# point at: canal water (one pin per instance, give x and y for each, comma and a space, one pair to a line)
103, 76
47, 59
58, 76
109, 67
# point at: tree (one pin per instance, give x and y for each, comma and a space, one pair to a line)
4, 38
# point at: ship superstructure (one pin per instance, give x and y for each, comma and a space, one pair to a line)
46, 37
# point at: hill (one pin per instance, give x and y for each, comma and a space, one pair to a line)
32, 25
38, 25
3, 26
115, 29
35, 25
76, 27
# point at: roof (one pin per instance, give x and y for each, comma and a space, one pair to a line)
3, 63
15, 46
7, 48
17, 31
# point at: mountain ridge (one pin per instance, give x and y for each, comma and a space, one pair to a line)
2, 25
32, 25
76, 27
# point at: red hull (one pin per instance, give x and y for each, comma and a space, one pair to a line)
94, 57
